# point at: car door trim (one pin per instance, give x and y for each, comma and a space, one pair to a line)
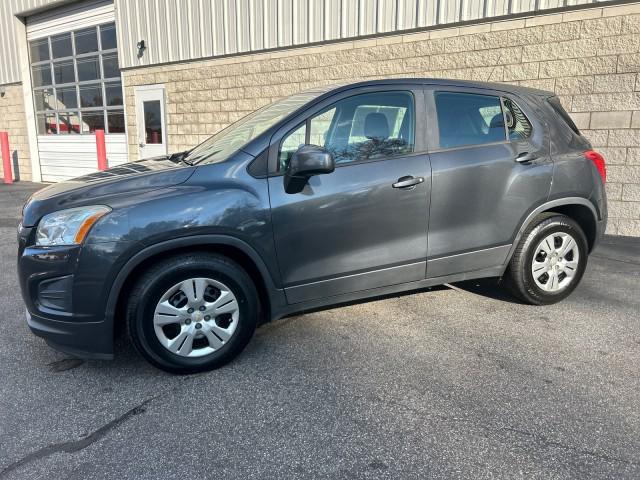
468, 261
356, 282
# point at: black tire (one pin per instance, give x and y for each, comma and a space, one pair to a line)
519, 276
149, 289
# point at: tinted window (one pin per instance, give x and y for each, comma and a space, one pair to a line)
39, 50
517, 122
110, 66
63, 72
41, 75
88, 69
70, 94
291, 143
359, 128
469, 119
108, 36
86, 40
61, 46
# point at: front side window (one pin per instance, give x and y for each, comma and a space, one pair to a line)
76, 82
517, 122
363, 127
466, 119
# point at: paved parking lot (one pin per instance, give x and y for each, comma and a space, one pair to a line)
454, 382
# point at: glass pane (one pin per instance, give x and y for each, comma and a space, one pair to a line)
46, 124
44, 99
115, 121
108, 36
91, 121
41, 75
319, 127
61, 45
67, 97
39, 50
152, 121
91, 96
113, 92
290, 145
88, 69
69, 122
469, 119
517, 121
365, 127
86, 40
110, 66
63, 72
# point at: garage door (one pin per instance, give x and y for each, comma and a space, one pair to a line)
77, 88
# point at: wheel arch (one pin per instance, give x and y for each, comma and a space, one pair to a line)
579, 209
231, 247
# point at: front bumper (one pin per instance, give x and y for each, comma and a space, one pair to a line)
65, 291
91, 340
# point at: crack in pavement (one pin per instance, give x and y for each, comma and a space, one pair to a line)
603, 257
73, 446
545, 443
540, 440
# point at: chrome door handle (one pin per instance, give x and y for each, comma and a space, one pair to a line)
141, 144
408, 181
526, 157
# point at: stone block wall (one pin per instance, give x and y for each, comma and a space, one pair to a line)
12, 120
590, 58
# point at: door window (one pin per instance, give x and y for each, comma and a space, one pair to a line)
152, 121
469, 119
517, 122
359, 128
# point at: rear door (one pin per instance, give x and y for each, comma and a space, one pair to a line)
491, 167
356, 228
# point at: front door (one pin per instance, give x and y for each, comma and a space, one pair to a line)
364, 225
491, 167
152, 133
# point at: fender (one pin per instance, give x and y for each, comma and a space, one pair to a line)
276, 295
542, 208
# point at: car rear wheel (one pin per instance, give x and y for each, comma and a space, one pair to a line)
549, 261
192, 313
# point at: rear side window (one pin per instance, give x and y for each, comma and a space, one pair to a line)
557, 106
466, 119
517, 122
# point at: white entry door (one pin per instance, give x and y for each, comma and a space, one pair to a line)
152, 131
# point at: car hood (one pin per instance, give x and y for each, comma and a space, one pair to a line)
102, 187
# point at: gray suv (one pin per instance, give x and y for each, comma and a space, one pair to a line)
329, 196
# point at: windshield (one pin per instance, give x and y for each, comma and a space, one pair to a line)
237, 135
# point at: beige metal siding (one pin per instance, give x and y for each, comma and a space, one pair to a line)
9, 70
189, 29
178, 30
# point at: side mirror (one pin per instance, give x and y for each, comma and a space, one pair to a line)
307, 161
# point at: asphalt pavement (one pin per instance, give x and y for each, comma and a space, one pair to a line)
453, 382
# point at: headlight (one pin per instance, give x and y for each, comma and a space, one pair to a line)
68, 227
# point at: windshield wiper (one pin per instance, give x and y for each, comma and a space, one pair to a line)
180, 157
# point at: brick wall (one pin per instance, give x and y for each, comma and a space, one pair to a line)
12, 120
590, 58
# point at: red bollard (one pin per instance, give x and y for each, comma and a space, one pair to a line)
102, 150
6, 159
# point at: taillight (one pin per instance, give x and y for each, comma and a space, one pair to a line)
598, 161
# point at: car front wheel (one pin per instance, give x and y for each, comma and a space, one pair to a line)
549, 260
192, 313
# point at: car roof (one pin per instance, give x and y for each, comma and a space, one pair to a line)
505, 87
